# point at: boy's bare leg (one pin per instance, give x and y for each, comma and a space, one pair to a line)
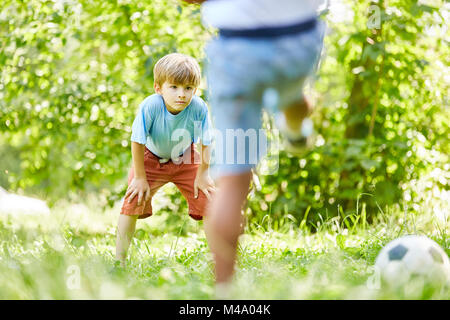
223, 223
296, 112
125, 231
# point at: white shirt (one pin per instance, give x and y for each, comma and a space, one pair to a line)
251, 14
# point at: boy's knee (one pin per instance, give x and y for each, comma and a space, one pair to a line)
129, 217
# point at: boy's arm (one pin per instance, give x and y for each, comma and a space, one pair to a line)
137, 152
139, 185
203, 181
206, 157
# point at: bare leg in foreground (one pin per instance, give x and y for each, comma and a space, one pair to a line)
224, 223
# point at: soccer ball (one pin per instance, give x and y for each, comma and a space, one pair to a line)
410, 257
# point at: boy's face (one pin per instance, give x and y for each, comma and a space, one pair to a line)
176, 96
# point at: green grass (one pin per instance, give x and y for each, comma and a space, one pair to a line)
41, 257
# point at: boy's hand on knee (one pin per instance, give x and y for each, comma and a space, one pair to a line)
204, 182
139, 187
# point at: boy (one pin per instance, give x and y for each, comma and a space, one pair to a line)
262, 56
159, 157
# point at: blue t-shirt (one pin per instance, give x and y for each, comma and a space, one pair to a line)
168, 135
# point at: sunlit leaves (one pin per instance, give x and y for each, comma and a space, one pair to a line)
74, 73
391, 68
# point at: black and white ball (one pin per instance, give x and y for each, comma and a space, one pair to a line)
410, 257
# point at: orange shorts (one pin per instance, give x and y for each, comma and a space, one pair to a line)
158, 174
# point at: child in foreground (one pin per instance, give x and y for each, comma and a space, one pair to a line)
262, 56
167, 125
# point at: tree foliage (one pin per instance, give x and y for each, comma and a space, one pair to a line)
382, 114
73, 73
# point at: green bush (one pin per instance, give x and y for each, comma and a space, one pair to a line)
380, 115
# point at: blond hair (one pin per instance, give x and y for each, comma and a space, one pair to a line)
177, 68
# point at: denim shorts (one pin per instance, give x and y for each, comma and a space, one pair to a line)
248, 74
